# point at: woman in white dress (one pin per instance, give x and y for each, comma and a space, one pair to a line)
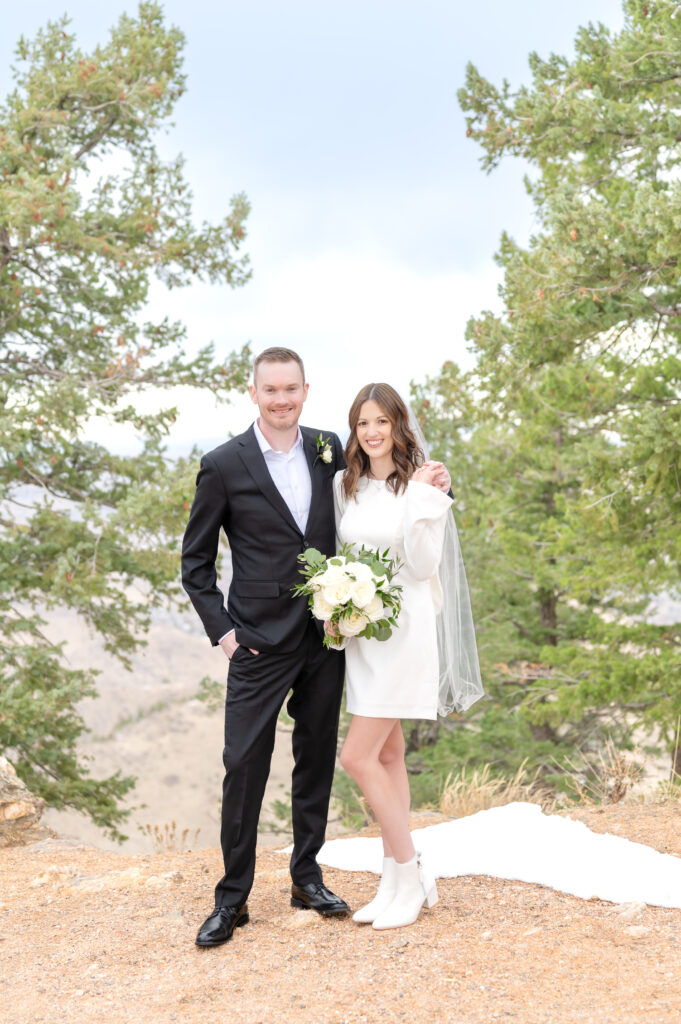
387, 497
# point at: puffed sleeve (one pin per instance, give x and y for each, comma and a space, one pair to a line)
425, 516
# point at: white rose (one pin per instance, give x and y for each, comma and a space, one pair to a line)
352, 624
363, 592
321, 609
327, 455
375, 610
332, 574
339, 592
359, 570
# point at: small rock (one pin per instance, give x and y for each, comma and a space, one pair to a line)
628, 911
637, 931
13, 810
54, 842
161, 881
486, 936
19, 808
40, 880
53, 874
110, 880
531, 931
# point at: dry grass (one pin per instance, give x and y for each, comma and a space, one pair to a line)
477, 790
667, 791
612, 779
167, 839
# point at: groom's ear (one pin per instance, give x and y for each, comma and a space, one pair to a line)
251, 391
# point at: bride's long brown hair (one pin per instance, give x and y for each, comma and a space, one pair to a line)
406, 453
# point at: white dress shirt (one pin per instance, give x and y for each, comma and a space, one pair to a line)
291, 476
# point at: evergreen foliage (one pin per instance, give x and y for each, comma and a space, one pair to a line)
89, 215
564, 442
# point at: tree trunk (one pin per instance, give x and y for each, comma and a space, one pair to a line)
548, 616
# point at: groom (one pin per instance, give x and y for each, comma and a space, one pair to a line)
271, 490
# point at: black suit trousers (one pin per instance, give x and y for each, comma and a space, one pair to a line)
256, 689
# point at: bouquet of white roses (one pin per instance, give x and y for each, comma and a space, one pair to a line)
354, 592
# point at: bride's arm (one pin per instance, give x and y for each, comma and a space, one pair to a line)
425, 518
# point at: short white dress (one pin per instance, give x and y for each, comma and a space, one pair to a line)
399, 677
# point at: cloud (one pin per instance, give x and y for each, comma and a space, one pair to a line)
352, 319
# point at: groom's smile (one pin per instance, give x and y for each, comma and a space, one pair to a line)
279, 391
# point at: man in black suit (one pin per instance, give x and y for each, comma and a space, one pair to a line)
271, 490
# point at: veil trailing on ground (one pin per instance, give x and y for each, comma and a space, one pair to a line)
460, 682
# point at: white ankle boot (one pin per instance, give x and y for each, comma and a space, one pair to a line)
387, 888
415, 886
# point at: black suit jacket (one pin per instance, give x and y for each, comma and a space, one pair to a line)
235, 492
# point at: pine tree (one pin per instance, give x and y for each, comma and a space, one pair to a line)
89, 215
565, 441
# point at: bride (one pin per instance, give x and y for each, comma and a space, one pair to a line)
387, 497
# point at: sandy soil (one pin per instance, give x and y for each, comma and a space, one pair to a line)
88, 935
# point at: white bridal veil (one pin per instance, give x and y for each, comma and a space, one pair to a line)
460, 682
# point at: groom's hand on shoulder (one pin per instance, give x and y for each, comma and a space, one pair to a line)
441, 478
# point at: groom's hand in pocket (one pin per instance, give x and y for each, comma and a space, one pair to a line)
229, 644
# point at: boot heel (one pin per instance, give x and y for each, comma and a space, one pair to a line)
298, 904
242, 921
432, 897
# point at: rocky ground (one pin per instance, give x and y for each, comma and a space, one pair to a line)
89, 935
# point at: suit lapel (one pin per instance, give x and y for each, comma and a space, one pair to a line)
254, 461
311, 453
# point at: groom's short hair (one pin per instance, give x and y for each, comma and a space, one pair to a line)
278, 355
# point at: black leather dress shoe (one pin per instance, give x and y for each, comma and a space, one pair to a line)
316, 896
218, 928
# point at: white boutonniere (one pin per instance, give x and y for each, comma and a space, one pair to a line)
324, 451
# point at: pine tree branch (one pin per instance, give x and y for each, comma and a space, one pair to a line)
95, 139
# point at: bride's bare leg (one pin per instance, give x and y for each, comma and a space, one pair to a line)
391, 757
383, 787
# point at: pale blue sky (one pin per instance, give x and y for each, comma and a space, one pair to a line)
373, 229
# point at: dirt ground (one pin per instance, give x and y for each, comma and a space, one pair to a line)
89, 935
